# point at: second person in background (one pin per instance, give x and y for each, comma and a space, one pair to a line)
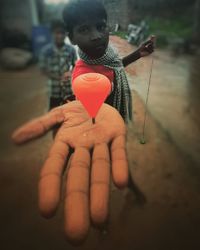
56, 62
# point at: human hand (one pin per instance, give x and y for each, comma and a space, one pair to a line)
88, 171
147, 47
66, 76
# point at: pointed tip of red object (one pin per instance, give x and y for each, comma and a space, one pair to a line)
91, 90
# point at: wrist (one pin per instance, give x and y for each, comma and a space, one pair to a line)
137, 54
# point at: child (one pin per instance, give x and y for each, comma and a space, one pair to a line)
86, 24
56, 62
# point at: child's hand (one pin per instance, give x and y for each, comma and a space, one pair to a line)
147, 47
98, 148
66, 76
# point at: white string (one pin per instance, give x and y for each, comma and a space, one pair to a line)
142, 140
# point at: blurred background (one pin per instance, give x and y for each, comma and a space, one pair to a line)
163, 213
24, 24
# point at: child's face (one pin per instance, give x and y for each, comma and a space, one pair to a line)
59, 36
91, 36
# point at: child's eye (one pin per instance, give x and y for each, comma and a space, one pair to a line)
83, 29
101, 26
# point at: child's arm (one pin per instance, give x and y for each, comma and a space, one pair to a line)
131, 58
144, 50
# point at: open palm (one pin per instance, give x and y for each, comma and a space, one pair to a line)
96, 147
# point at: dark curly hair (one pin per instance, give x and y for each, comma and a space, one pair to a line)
76, 11
57, 24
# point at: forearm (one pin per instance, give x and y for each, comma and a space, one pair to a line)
131, 58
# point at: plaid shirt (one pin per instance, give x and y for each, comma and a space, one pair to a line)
58, 61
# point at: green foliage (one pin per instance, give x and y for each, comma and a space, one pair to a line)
166, 29
121, 34
170, 27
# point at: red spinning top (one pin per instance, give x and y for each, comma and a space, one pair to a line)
91, 90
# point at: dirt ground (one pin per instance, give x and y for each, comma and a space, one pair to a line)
163, 213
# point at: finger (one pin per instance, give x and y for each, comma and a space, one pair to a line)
149, 48
100, 180
148, 42
50, 179
77, 196
153, 38
119, 162
37, 127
